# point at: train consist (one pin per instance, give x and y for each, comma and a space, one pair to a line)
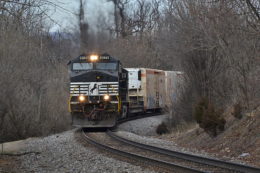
102, 91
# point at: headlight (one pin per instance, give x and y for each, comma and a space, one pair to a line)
82, 98
93, 57
106, 97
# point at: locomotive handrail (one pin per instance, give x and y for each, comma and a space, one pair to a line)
118, 99
70, 99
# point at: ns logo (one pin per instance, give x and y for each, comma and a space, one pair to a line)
93, 89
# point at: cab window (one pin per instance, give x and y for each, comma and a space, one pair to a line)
82, 66
106, 66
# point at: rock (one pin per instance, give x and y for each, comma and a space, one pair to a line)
244, 155
12, 147
146, 126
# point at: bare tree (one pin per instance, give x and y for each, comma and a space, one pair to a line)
116, 17
31, 72
83, 27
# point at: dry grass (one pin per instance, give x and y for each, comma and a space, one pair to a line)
240, 136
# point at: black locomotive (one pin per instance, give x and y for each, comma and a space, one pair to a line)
98, 90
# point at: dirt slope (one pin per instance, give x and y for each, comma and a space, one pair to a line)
240, 140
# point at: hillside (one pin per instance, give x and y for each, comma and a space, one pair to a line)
239, 141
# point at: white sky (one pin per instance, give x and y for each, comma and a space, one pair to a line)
67, 20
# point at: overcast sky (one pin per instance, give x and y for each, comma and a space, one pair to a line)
65, 19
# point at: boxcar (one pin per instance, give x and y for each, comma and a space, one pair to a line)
146, 89
173, 79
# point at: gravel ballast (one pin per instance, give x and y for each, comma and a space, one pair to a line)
62, 153
144, 131
144, 126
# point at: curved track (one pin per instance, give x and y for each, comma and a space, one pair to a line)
169, 160
141, 115
229, 166
144, 159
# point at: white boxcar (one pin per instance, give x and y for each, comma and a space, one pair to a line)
146, 89
173, 80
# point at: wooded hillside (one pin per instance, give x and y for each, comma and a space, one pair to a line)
216, 44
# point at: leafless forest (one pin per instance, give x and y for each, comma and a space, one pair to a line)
215, 42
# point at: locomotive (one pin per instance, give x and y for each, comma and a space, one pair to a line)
102, 91
98, 90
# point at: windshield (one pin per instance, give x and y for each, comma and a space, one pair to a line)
82, 66
106, 66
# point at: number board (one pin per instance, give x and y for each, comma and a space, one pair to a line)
104, 57
83, 58
100, 57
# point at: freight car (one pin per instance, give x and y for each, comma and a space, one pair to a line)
173, 81
146, 89
98, 90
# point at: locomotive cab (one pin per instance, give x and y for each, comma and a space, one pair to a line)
98, 90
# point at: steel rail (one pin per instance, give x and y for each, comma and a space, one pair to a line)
159, 163
135, 117
189, 157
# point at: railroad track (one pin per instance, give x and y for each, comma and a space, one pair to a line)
144, 159
166, 159
223, 165
135, 117
172, 161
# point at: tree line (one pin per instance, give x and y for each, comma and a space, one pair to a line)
215, 43
33, 77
